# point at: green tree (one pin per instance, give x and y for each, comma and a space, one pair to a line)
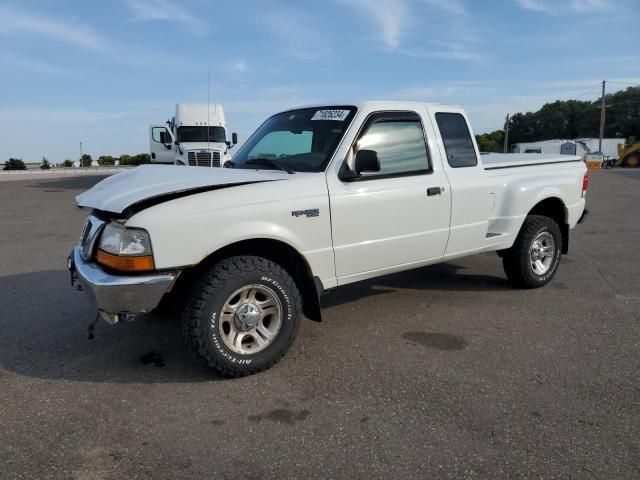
85, 160
491, 142
106, 160
577, 119
45, 165
67, 163
14, 164
139, 159
125, 160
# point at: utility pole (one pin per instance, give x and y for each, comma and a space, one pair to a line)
80, 153
506, 135
602, 118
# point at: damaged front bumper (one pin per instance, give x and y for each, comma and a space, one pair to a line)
119, 297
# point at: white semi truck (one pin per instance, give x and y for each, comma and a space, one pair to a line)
196, 136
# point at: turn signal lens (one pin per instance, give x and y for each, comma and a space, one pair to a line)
585, 183
142, 263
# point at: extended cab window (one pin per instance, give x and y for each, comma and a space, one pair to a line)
457, 140
398, 139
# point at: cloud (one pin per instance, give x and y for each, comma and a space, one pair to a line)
166, 11
73, 33
33, 65
298, 34
390, 18
588, 5
239, 66
535, 5
446, 51
453, 7
556, 7
23, 25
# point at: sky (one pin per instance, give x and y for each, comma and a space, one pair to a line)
102, 72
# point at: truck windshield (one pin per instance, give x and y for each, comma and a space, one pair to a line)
301, 140
199, 134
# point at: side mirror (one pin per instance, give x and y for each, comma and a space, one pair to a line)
165, 139
367, 161
234, 140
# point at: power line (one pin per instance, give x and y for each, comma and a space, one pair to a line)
597, 86
594, 105
587, 92
625, 83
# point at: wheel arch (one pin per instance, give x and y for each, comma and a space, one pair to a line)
554, 208
277, 251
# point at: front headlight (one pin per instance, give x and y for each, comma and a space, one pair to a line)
126, 249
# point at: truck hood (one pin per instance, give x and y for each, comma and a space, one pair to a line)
152, 184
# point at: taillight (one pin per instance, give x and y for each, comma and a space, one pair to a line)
585, 183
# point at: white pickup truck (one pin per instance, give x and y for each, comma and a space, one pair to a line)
318, 197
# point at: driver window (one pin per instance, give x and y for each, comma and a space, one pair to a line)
399, 143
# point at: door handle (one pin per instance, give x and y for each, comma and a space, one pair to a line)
433, 191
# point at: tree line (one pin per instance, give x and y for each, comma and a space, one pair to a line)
85, 161
569, 119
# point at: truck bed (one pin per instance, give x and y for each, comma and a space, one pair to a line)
495, 161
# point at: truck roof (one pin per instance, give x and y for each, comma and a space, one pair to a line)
374, 104
198, 113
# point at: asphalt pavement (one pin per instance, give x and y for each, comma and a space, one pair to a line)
441, 372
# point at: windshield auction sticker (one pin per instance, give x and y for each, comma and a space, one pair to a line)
338, 115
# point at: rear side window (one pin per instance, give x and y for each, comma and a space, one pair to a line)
398, 139
457, 140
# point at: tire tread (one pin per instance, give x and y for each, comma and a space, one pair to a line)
195, 310
514, 260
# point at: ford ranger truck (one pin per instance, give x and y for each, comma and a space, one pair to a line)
318, 197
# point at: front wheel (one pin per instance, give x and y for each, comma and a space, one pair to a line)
533, 259
243, 315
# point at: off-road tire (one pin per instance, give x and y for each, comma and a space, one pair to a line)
631, 160
516, 260
199, 324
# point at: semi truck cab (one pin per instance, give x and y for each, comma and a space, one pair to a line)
196, 136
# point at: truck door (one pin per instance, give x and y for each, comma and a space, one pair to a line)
470, 192
161, 147
397, 216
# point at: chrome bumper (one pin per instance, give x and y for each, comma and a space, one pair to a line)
118, 296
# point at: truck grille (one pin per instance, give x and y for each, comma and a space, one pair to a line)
203, 159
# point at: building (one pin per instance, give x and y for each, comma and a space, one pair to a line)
579, 146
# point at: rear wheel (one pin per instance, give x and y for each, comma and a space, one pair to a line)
632, 160
533, 259
243, 316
